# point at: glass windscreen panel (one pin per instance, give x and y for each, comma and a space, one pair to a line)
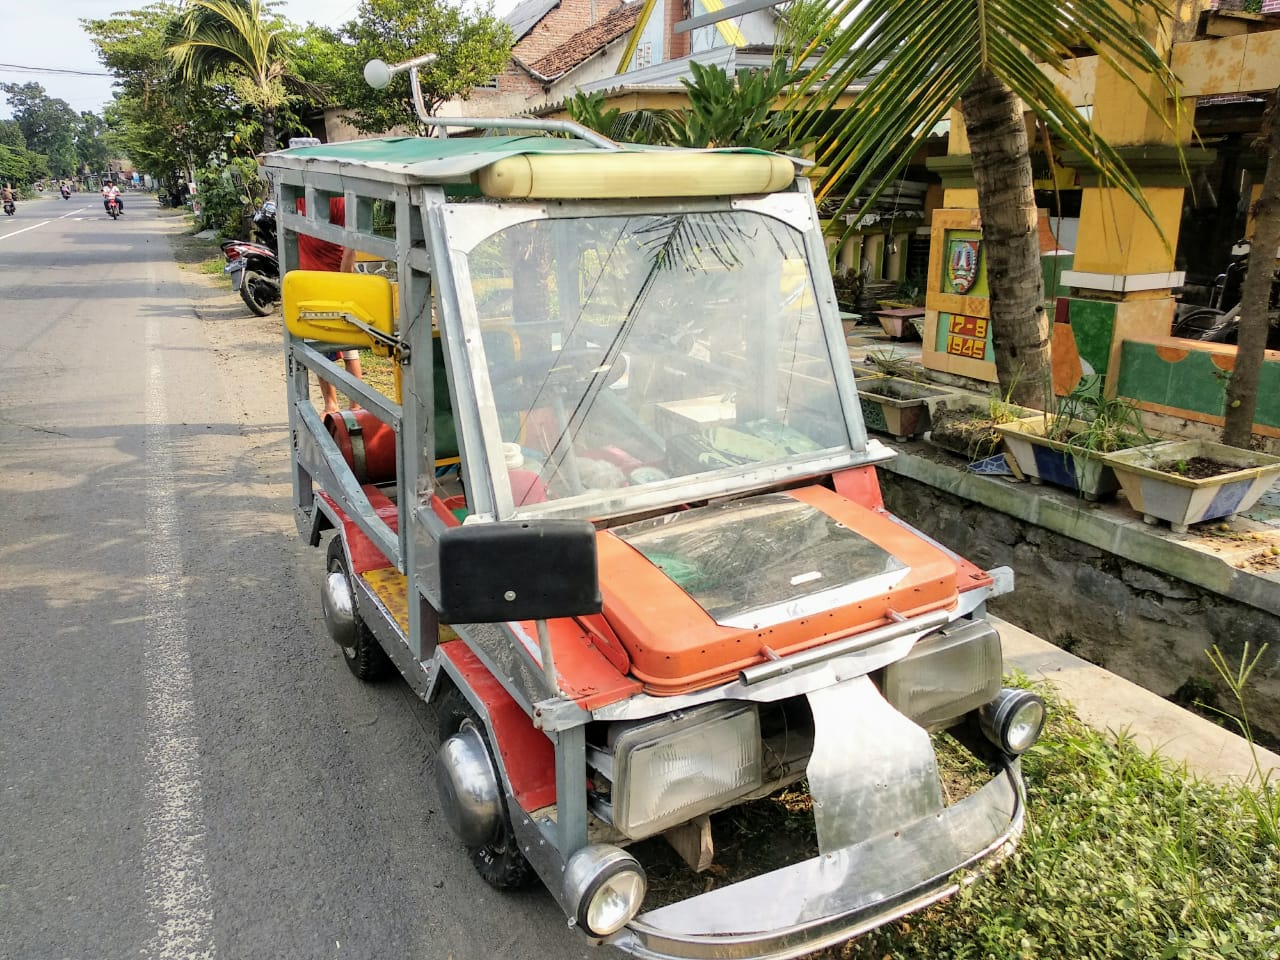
627, 352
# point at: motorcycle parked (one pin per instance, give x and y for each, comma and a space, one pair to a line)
1219, 322
254, 266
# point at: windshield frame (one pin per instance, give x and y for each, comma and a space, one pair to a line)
467, 224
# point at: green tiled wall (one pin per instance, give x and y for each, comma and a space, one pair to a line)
1194, 383
1093, 325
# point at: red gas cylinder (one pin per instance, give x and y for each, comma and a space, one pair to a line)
367, 444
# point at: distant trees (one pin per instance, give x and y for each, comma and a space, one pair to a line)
18, 165
46, 138
49, 127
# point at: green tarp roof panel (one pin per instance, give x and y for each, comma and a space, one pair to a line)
451, 158
414, 150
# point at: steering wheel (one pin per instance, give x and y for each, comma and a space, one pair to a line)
530, 381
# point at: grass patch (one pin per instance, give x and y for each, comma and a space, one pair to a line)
1124, 856
195, 253
377, 372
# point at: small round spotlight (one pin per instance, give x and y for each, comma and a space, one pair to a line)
1013, 720
377, 74
603, 888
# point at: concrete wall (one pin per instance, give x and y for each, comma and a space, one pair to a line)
1144, 625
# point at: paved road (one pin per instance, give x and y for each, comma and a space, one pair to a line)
186, 767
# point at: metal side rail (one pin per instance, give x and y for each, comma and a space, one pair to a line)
807, 906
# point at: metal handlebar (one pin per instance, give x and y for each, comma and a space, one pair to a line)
378, 73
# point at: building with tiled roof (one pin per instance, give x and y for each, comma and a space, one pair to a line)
586, 43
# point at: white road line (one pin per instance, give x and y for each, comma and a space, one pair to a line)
25, 229
179, 907
72, 213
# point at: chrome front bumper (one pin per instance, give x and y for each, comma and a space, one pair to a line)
838, 895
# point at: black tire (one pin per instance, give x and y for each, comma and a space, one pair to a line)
500, 864
256, 292
365, 659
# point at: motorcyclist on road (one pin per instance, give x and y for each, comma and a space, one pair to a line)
111, 192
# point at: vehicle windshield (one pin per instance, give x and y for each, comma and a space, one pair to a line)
630, 353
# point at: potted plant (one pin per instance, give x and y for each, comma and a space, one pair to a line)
898, 407
966, 425
1189, 481
1065, 448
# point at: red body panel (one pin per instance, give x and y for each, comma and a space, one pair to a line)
365, 555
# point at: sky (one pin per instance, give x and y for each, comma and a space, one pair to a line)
48, 36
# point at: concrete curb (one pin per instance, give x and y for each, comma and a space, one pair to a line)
1108, 702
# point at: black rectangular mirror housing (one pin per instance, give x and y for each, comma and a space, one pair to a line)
518, 570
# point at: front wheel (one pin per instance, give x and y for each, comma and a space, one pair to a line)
258, 293
499, 862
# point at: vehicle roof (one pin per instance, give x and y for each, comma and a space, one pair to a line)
442, 160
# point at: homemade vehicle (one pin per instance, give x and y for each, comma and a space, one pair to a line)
626, 463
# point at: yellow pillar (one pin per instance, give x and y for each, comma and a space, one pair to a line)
956, 330
1124, 268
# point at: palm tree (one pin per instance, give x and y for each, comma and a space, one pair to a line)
915, 62
1242, 390
232, 39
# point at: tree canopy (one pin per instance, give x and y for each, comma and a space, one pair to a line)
239, 43
470, 48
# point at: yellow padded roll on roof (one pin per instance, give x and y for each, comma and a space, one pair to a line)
647, 174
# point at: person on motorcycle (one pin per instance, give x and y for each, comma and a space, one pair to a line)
111, 192
6, 195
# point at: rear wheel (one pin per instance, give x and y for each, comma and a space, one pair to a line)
258, 293
365, 658
500, 862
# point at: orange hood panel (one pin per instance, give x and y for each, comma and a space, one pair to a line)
695, 596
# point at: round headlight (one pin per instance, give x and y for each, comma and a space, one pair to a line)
603, 887
1013, 720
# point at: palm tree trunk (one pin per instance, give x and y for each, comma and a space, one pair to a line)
269, 142
1010, 241
1242, 390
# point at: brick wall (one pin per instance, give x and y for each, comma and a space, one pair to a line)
677, 44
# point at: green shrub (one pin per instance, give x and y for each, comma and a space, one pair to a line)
227, 195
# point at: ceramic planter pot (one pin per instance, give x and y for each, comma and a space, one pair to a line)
1042, 459
897, 406
1158, 494
967, 426
896, 321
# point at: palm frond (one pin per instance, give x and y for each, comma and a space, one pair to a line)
214, 36
912, 62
